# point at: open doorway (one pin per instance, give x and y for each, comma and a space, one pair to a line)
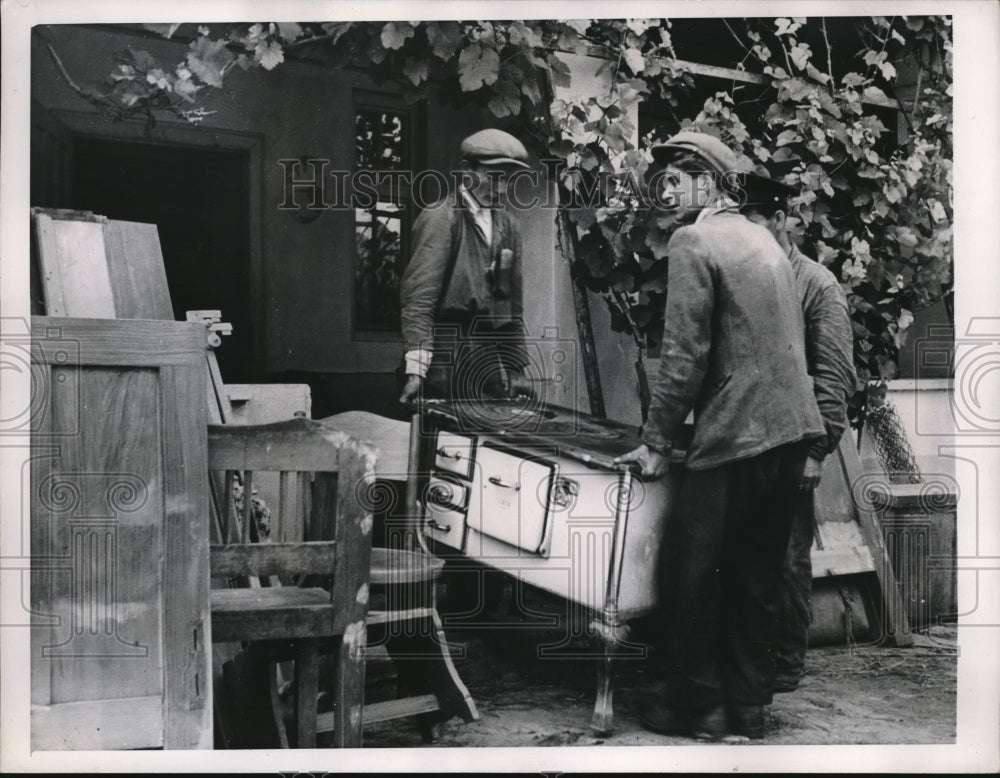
199, 200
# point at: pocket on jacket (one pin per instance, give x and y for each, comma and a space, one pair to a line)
502, 284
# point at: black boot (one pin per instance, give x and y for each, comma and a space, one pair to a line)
709, 724
747, 720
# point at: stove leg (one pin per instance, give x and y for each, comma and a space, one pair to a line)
609, 635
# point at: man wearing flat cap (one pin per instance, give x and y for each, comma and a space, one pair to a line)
461, 292
733, 353
830, 361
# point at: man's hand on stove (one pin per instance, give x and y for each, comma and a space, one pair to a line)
520, 386
653, 463
412, 388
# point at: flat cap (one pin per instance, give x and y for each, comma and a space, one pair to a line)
494, 147
761, 189
716, 153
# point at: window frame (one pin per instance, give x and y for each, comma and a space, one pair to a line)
415, 150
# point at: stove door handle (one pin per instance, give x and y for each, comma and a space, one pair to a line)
439, 527
443, 452
500, 482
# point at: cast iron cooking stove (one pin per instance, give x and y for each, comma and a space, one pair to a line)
533, 490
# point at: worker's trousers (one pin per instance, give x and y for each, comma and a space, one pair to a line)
721, 570
794, 611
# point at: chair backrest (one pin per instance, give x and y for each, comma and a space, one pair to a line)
324, 474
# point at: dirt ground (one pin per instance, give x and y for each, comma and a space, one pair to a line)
851, 694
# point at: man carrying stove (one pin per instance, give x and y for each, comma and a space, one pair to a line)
461, 292
829, 357
733, 352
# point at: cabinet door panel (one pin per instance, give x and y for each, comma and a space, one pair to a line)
512, 499
119, 536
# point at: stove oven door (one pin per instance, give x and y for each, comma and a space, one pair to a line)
511, 499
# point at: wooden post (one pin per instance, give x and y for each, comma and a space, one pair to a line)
581, 305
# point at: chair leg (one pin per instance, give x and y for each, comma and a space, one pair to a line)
306, 689
348, 693
424, 665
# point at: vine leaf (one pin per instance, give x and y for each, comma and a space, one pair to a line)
531, 90
559, 70
269, 54
478, 66
290, 31
415, 70
522, 35
505, 100
208, 59
800, 54
635, 61
395, 34
336, 30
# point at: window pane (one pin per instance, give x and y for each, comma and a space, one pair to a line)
378, 238
382, 143
380, 139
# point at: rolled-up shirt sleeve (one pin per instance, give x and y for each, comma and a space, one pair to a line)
422, 281
687, 337
829, 349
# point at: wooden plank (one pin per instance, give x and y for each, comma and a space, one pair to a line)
306, 690
913, 498
386, 711
290, 527
98, 725
118, 343
217, 397
296, 444
733, 74
278, 612
72, 265
109, 644
44, 567
267, 598
136, 271
353, 534
186, 622
842, 561
376, 618
265, 403
273, 558
390, 436
832, 499
395, 566
896, 622
130, 524
350, 585
322, 519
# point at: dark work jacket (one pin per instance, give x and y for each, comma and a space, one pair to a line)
829, 347
733, 346
453, 271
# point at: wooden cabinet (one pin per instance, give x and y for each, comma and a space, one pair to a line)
119, 536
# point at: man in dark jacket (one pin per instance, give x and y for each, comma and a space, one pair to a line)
733, 352
461, 292
829, 358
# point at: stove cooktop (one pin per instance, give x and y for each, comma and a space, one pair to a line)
528, 422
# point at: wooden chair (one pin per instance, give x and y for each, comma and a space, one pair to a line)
403, 619
326, 613
402, 616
